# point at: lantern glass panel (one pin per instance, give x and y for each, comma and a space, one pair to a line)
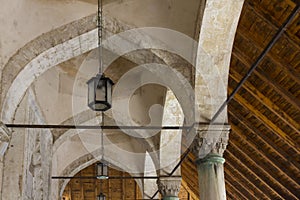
91, 92
109, 91
101, 197
102, 171
101, 91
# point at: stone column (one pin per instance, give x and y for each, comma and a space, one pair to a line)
169, 188
209, 145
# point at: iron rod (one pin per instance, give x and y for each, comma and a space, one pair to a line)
113, 177
104, 127
258, 60
181, 160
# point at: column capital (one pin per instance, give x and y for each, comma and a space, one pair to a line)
212, 139
169, 187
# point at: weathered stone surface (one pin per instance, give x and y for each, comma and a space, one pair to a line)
169, 187
31, 170
212, 139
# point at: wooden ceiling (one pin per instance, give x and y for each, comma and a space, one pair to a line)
262, 158
114, 189
263, 155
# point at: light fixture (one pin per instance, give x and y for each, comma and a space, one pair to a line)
101, 196
100, 87
102, 171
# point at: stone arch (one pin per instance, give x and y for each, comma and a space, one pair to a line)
82, 160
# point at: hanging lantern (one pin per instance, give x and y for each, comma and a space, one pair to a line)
99, 93
102, 171
101, 196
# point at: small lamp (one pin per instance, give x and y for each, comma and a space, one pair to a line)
100, 87
101, 196
102, 171
99, 93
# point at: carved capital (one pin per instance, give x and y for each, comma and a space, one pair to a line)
169, 187
211, 139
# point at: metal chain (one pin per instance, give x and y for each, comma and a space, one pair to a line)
100, 29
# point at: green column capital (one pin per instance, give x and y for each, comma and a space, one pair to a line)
170, 198
211, 159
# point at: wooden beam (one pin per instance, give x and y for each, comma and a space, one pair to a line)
262, 75
266, 101
264, 175
286, 67
188, 189
269, 19
246, 183
249, 173
271, 144
190, 183
123, 187
233, 191
266, 165
241, 190
292, 178
267, 122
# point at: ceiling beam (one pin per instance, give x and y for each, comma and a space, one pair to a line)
270, 20
286, 67
266, 101
267, 122
250, 174
256, 191
264, 163
271, 144
189, 190
263, 76
240, 138
236, 184
264, 175
188, 174
232, 192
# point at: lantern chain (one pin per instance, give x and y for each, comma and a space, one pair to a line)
100, 31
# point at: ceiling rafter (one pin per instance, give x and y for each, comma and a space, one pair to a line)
266, 156
266, 101
271, 144
236, 191
187, 173
229, 192
238, 185
266, 165
256, 191
267, 122
262, 75
286, 67
189, 190
269, 19
251, 175
264, 174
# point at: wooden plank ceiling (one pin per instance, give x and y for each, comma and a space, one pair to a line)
263, 155
262, 158
114, 189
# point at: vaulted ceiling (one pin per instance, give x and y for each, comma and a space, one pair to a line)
263, 154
